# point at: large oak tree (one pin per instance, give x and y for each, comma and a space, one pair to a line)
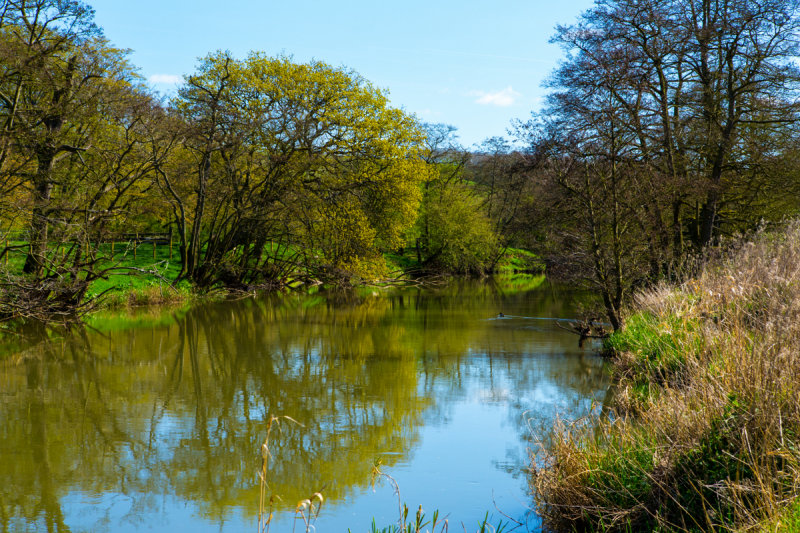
289, 166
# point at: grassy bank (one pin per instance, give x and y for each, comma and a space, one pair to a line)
147, 280
704, 428
513, 261
135, 277
144, 274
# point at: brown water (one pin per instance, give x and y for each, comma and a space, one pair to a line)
157, 424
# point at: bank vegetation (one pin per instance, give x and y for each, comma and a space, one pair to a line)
703, 429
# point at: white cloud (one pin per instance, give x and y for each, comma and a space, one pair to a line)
503, 98
165, 78
429, 113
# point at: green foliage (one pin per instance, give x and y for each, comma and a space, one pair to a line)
137, 273
657, 139
300, 153
788, 521
519, 261
453, 232
717, 458
657, 346
629, 494
706, 392
403, 261
75, 157
266, 169
622, 474
460, 238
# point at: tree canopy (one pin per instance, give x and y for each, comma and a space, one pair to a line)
287, 164
669, 125
269, 169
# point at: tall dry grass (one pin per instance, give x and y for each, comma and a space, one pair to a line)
704, 433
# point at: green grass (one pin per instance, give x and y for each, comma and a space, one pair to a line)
401, 262
139, 280
519, 261
623, 474
656, 349
787, 522
134, 274
14, 260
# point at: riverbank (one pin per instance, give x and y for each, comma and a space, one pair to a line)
149, 281
704, 430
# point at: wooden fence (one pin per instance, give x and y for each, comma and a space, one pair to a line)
141, 238
129, 240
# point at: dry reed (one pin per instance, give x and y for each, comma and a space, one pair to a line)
304, 510
704, 433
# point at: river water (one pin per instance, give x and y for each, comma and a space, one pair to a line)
155, 422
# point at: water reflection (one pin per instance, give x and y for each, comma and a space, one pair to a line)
161, 424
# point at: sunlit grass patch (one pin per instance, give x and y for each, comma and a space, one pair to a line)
786, 522
519, 261
653, 351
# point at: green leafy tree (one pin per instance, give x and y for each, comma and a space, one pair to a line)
502, 175
296, 167
668, 122
453, 232
47, 87
75, 123
461, 238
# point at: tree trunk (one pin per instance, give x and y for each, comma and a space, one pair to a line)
43, 189
193, 248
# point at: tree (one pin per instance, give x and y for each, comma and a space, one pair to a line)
453, 232
680, 113
75, 125
49, 65
502, 177
295, 167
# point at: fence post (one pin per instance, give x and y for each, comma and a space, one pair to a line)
154, 248
135, 244
112, 247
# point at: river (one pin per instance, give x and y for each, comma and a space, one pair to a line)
155, 421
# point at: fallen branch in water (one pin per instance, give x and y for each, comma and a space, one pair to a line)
586, 329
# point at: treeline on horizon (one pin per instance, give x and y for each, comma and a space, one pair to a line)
669, 126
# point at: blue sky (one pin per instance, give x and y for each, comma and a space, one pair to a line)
474, 65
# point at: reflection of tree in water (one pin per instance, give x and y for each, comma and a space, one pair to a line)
560, 386
182, 409
534, 386
529, 365
60, 431
352, 405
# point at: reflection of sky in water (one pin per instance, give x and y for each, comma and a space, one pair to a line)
129, 513
181, 430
